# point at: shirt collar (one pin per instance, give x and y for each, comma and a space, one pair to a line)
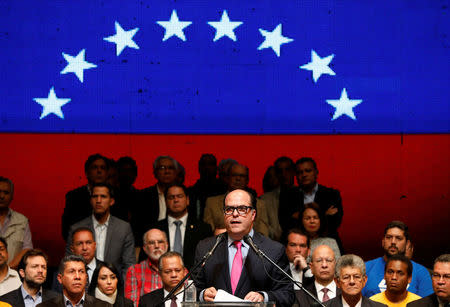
314, 190
179, 295
183, 219
230, 241
96, 223
331, 286
92, 265
25, 294
67, 302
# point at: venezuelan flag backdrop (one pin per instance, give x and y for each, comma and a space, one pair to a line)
361, 86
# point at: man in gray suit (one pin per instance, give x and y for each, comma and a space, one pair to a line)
113, 237
351, 279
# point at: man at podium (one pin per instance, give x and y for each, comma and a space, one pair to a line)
234, 267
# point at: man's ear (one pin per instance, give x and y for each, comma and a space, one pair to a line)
59, 277
22, 273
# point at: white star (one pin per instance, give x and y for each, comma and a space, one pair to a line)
77, 64
52, 104
174, 27
344, 105
122, 38
225, 27
319, 65
274, 39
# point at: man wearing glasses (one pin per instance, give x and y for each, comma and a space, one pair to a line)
351, 278
441, 285
324, 288
234, 267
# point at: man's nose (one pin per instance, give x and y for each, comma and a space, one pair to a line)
77, 275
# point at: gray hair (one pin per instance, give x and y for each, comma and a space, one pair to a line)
350, 261
144, 237
157, 160
443, 258
168, 255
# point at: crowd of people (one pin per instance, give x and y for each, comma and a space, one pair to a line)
131, 247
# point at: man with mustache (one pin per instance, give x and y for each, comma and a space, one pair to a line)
73, 277
397, 274
33, 271
394, 242
441, 285
144, 275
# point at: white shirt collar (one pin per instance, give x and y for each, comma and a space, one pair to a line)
183, 219
331, 286
96, 223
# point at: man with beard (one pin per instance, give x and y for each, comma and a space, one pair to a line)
396, 237
143, 277
33, 271
397, 274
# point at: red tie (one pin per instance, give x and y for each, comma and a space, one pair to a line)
236, 268
173, 303
325, 295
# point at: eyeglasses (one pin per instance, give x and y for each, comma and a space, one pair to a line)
327, 260
437, 276
179, 196
241, 210
348, 278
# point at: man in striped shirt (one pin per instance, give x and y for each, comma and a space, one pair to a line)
143, 277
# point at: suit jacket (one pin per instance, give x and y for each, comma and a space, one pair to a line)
216, 273
304, 299
366, 302
272, 202
15, 297
195, 232
427, 301
121, 301
291, 201
89, 301
145, 212
78, 207
152, 299
119, 245
214, 214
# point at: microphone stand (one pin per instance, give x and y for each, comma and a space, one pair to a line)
260, 253
198, 264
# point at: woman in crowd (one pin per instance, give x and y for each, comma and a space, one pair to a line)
314, 226
107, 287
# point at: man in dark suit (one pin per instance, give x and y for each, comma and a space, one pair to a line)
113, 237
33, 272
72, 276
171, 269
78, 200
308, 191
235, 267
441, 285
152, 204
183, 230
351, 278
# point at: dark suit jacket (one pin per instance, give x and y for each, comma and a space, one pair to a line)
427, 301
119, 246
15, 297
195, 232
216, 272
89, 301
152, 299
291, 200
366, 302
304, 299
145, 212
77, 207
121, 301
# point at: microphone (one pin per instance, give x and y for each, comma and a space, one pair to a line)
249, 241
219, 239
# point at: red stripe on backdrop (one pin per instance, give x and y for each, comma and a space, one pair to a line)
381, 177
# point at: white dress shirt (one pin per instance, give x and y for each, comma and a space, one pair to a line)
309, 198
100, 237
331, 290
179, 296
162, 205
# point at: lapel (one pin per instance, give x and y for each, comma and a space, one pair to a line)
249, 265
109, 234
188, 234
225, 269
154, 201
19, 298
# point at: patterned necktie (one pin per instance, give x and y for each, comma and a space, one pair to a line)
236, 268
177, 242
325, 295
173, 302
